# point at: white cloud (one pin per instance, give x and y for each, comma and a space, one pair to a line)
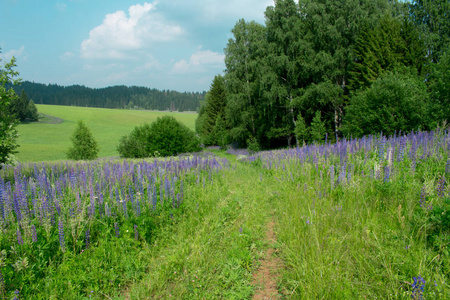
119, 35
199, 61
67, 56
6, 57
61, 7
236, 9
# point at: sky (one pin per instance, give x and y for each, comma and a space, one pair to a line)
163, 44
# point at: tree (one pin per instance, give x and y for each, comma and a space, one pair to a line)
84, 146
440, 88
396, 101
392, 43
8, 133
433, 20
134, 144
318, 130
23, 109
214, 106
18, 107
244, 53
166, 136
32, 112
301, 130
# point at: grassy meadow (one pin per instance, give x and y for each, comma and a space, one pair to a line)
359, 219
49, 139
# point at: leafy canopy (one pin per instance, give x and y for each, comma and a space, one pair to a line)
8, 132
166, 136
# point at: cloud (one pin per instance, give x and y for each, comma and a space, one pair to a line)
119, 35
235, 9
6, 57
198, 62
61, 7
67, 56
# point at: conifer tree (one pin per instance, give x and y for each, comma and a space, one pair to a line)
84, 146
318, 128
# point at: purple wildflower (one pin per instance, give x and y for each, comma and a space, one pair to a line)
386, 174
88, 238
441, 186
423, 197
19, 237
61, 236
116, 228
16, 295
418, 287
447, 167
33, 233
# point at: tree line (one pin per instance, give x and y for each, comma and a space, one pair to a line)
325, 69
122, 97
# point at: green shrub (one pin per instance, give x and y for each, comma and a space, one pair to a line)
396, 101
165, 137
84, 145
133, 145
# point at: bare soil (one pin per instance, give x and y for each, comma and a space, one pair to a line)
267, 274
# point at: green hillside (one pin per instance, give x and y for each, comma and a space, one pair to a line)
49, 139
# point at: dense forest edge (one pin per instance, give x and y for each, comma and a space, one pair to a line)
322, 70
122, 97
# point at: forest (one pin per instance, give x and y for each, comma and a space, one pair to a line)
323, 70
122, 97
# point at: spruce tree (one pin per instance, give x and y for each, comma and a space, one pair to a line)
84, 146
318, 128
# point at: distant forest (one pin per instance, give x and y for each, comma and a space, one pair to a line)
123, 97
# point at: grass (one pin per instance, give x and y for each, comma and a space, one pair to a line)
362, 219
49, 139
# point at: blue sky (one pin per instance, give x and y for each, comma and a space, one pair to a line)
163, 44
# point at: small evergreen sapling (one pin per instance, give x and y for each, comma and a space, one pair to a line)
84, 146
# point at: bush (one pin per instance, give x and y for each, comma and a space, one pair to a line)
166, 137
396, 101
134, 145
84, 145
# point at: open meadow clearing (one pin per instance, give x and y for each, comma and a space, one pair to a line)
360, 219
50, 138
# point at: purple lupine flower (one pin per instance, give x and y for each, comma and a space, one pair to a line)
33, 233
386, 173
61, 236
16, 295
2, 283
19, 237
401, 149
332, 176
88, 238
154, 198
136, 233
116, 228
447, 167
418, 288
2, 204
441, 186
423, 197
381, 147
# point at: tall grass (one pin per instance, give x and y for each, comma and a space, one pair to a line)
365, 218
360, 219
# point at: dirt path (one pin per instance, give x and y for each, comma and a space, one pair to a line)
266, 276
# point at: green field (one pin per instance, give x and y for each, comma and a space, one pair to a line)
44, 141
